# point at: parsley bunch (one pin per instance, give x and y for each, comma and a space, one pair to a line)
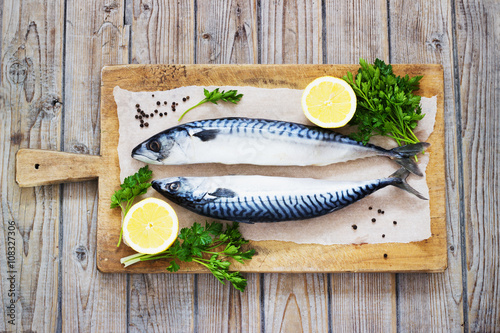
386, 103
216, 95
132, 186
199, 244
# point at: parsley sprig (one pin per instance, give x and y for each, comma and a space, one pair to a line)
132, 186
209, 246
386, 103
216, 95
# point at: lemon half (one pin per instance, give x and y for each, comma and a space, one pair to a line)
150, 226
329, 102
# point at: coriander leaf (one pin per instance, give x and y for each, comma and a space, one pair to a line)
216, 95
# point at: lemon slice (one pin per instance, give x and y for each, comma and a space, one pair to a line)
150, 226
329, 102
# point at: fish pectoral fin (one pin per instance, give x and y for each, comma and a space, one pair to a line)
223, 193
207, 135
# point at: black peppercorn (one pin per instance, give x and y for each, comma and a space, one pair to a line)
158, 103
152, 114
354, 226
156, 111
370, 208
394, 222
184, 99
136, 117
379, 211
137, 105
153, 95
383, 235
187, 97
373, 220
142, 125
161, 114
385, 255
146, 124
165, 102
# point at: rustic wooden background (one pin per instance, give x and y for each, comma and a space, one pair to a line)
52, 52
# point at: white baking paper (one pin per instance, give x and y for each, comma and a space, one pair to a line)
411, 214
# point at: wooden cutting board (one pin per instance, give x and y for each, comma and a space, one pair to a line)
41, 167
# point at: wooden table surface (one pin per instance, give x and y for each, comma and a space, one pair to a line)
52, 52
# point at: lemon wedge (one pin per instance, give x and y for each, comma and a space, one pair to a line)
150, 226
329, 102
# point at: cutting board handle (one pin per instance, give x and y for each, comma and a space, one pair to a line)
35, 167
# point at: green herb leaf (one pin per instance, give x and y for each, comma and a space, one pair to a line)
386, 104
197, 243
214, 96
132, 186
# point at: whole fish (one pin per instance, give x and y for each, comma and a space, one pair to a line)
262, 142
251, 199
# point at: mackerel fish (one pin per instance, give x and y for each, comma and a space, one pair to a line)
251, 199
262, 142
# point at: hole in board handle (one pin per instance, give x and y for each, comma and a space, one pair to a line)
37, 166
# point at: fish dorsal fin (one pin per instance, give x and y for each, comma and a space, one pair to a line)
207, 135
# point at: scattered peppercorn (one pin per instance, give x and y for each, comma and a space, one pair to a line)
373, 220
156, 111
354, 226
165, 102
153, 95
383, 235
146, 124
370, 208
184, 99
383, 212
136, 117
161, 114
394, 222
142, 121
158, 103
379, 211
187, 97
152, 114
385, 255
138, 110
137, 106
142, 125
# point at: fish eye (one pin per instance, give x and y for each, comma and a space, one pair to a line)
154, 146
174, 186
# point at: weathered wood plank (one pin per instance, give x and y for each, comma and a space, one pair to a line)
161, 303
478, 46
226, 32
162, 33
30, 116
355, 29
290, 33
295, 302
95, 36
427, 38
359, 30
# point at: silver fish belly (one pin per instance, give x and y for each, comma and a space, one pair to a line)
261, 142
251, 199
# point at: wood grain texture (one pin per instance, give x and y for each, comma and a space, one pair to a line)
359, 30
226, 32
163, 33
161, 303
290, 32
30, 116
427, 38
363, 302
355, 29
478, 46
91, 301
295, 303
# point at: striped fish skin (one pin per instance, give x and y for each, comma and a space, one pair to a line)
261, 142
251, 199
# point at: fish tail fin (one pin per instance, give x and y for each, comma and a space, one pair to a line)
398, 179
404, 156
